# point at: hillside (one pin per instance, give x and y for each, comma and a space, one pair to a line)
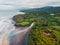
43, 9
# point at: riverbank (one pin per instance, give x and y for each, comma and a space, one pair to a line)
22, 35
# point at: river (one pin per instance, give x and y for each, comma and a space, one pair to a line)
9, 35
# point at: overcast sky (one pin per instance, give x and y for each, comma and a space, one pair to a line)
16, 4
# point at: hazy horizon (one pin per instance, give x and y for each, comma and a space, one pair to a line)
9, 5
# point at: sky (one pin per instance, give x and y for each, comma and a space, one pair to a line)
17, 4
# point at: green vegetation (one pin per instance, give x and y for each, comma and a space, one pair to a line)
46, 30
23, 24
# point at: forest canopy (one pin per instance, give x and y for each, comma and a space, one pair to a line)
46, 30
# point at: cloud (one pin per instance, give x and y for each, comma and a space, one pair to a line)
6, 7
15, 4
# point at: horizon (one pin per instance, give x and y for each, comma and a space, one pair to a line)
9, 5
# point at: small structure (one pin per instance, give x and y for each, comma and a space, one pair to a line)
47, 32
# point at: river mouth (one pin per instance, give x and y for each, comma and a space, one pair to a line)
21, 38
12, 35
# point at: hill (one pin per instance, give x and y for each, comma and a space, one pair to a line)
43, 9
